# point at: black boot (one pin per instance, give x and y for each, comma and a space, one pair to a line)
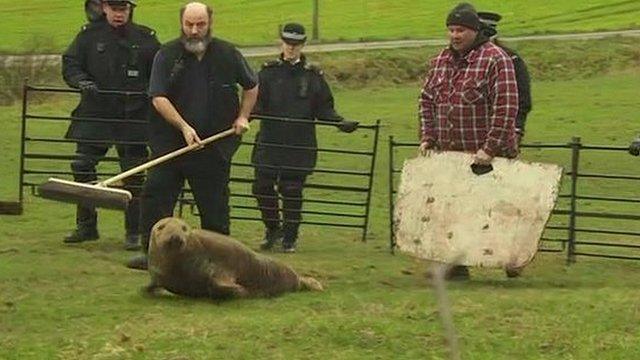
140, 262
132, 242
457, 273
271, 238
289, 246
82, 234
86, 226
290, 236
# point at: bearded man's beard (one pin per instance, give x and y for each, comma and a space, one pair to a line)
196, 45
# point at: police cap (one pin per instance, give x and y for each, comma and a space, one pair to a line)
293, 33
490, 21
120, 2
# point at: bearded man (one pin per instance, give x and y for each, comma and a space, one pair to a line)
194, 84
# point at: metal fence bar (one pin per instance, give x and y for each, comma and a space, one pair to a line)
314, 186
604, 176
312, 212
296, 168
372, 167
294, 147
575, 162
605, 147
308, 200
85, 119
23, 132
545, 146
75, 141
554, 227
608, 232
553, 240
600, 243
59, 172
605, 198
56, 89
392, 241
39, 156
616, 216
302, 222
304, 121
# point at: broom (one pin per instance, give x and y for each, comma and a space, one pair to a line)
100, 195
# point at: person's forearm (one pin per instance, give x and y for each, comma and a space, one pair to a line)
504, 102
426, 114
249, 98
166, 109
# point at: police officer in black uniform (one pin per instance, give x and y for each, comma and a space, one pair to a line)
490, 21
194, 86
107, 55
290, 87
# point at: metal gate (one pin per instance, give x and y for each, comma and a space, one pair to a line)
336, 196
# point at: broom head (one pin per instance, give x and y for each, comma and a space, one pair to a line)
88, 195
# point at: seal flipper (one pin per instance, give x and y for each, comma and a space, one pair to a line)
309, 283
152, 288
226, 288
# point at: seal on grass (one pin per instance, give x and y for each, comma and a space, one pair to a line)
201, 263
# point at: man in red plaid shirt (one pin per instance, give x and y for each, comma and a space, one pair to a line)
469, 100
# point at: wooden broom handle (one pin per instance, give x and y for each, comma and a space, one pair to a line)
167, 157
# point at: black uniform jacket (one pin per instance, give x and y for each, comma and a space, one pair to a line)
115, 59
524, 88
292, 91
204, 92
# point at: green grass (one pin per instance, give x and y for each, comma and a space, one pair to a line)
33, 25
77, 302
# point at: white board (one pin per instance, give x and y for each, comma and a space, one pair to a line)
444, 212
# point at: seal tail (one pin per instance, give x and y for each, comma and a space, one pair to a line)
310, 284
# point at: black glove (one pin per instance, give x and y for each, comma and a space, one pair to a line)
348, 126
634, 148
481, 169
88, 87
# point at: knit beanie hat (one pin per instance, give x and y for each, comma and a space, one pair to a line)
464, 14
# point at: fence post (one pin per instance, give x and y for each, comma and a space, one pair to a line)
372, 167
23, 133
392, 243
575, 162
315, 34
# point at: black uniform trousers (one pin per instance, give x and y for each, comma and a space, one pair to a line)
84, 170
208, 175
266, 188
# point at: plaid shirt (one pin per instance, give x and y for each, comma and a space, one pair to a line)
470, 103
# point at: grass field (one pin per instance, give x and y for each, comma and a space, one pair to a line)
33, 25
79, 302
